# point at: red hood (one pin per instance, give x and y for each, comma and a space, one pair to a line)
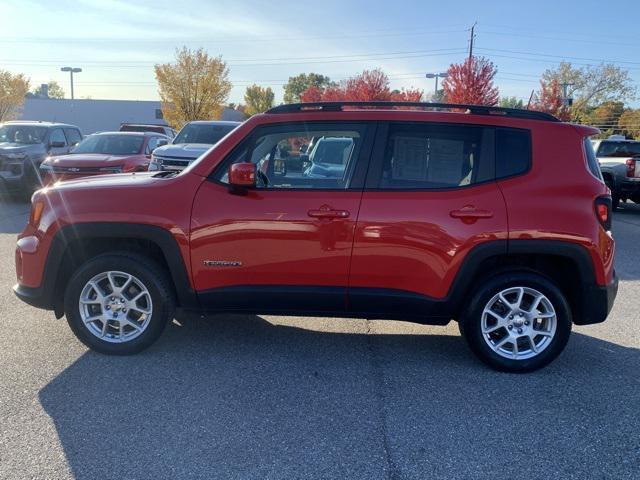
90, 160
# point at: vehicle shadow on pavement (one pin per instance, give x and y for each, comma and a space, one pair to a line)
13, 215
239, 397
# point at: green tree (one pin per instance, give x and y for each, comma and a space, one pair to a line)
195, 87
301, 83
53, 88
511, 102
605, 117
13, 89
592, 85
629, 123
258, 99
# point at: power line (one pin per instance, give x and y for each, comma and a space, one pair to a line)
353, 59
213, 40
559, 56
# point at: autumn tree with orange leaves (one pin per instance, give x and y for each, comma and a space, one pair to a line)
370, 85
549, 100
471, 82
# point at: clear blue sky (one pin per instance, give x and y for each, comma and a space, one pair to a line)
116, 42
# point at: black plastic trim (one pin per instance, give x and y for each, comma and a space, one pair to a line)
473, 109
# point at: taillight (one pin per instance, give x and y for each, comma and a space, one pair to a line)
631, 167
603, 211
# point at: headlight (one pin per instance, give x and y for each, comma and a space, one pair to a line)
16, 156
45, 167
112, 169
155, 164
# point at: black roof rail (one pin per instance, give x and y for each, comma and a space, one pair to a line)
474, 109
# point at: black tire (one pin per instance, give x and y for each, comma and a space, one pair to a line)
636, 199
154, 278
471, 323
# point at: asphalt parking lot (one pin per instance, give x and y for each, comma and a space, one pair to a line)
276, 397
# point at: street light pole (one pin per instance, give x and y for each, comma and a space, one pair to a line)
71, 71
436, 76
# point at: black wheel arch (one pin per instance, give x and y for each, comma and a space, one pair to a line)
568, 264
74, 244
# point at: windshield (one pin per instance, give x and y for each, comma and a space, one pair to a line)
23, 134
202, 133
111, 144
619, 149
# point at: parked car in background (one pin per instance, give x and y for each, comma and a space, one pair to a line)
193, 140
24, 146
329, 157
102, 153
142, 127
619, 161
437, 216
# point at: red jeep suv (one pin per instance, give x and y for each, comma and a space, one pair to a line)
408, 214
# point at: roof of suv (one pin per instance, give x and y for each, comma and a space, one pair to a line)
133, 134
214, 122
39, 123
467, 108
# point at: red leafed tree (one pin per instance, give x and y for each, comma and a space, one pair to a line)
471, 82
409, 95
311, 94
370, 85
549, 100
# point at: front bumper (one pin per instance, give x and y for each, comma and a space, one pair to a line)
597, 302
36, 297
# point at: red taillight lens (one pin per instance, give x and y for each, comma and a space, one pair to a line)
603, 211
631, 167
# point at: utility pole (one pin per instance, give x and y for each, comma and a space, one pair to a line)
71, 71
566, 101
471, 37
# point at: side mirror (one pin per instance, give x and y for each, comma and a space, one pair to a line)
242, 175
56, 144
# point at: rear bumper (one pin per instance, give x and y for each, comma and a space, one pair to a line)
597, 303
630, 187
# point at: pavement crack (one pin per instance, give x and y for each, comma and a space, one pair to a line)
391, 471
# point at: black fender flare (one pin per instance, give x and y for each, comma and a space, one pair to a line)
105, 230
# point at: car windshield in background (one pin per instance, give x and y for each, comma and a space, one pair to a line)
332, 151
111, 144
619, 149
202, 133
23, 134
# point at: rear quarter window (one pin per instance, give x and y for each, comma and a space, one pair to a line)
592, 160
513, 152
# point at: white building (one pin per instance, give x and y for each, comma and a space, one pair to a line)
100, 115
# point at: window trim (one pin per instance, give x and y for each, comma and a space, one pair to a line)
356, 182
376, 164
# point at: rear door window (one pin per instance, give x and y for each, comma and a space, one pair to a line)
435, 156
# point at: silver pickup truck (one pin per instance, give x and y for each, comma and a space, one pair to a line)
619, 161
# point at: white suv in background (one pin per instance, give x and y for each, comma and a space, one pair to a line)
194, 139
